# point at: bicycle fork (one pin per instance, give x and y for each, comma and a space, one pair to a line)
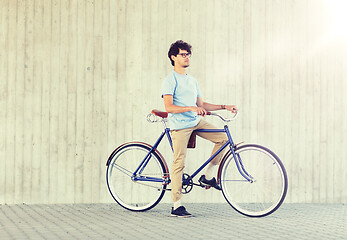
241, 168
237, 157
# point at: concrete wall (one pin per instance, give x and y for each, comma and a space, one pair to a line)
77, 78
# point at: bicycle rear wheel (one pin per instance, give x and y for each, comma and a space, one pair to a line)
268, 188
136, 193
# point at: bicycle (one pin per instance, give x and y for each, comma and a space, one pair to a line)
253, 179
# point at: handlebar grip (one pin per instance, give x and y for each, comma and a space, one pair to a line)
208, 113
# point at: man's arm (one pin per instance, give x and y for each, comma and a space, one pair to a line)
171, 108
214, 107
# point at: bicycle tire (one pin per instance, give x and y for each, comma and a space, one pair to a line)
131, 194
262, 196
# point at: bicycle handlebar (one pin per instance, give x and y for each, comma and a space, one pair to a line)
223, 119
158, 116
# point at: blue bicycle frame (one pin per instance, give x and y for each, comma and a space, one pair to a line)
137, 174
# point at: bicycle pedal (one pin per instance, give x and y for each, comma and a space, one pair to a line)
205, 186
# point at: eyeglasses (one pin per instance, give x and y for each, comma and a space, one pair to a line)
184, 55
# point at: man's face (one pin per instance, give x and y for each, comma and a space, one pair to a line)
182, 58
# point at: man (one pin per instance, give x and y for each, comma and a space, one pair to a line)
185, 106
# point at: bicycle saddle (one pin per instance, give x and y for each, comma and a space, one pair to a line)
160, 113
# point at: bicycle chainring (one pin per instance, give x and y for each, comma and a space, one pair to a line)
187, 183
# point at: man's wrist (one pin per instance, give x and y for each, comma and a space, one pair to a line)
191, 108
222, 106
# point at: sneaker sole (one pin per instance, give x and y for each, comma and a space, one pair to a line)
184, 216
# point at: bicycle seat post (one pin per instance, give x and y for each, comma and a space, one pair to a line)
164, 123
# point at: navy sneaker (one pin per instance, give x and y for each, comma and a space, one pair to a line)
180, 212
212, 182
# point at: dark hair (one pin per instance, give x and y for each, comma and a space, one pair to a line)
175, 49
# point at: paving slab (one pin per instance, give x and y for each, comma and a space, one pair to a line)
210, 221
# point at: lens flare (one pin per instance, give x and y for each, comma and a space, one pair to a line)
338, 17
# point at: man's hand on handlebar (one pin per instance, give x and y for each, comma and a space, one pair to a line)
231, 108
199, 110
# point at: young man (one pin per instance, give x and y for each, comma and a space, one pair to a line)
185, 106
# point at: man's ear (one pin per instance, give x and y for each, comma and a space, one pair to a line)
172, 57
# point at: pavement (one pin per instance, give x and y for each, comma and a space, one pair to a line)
210, 221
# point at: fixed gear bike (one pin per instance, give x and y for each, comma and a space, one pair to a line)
253, 179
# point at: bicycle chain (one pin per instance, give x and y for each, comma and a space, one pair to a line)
151, 185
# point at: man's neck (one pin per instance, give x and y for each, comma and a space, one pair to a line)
180, 70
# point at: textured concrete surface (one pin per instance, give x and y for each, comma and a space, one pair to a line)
210, 221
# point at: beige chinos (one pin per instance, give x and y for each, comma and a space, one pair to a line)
180, 140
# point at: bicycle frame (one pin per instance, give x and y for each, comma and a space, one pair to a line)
141, 168
137, 174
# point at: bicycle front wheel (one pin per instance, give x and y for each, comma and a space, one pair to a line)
268, 184
138, 192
